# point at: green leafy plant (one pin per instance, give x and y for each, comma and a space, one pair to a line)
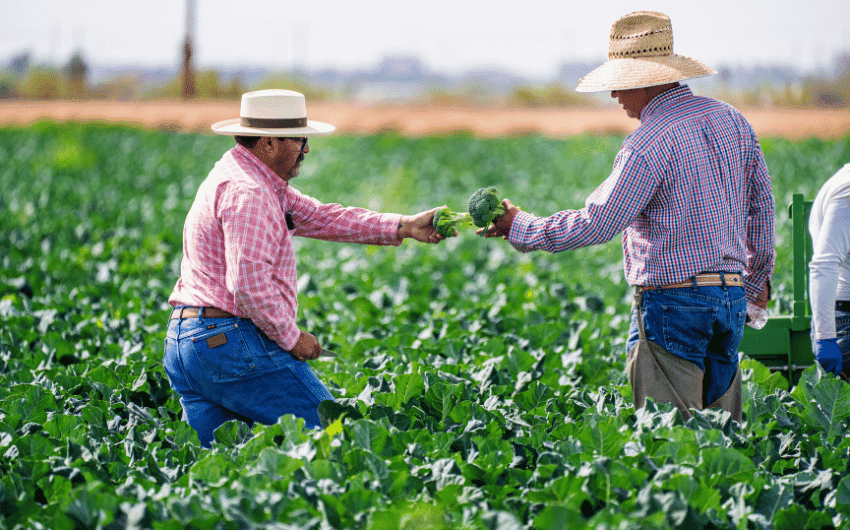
476, 387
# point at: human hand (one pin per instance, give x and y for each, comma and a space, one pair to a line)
764, 296
501, 226
420, 227
828, 355
306, 347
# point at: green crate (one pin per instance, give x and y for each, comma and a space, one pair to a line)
784, 343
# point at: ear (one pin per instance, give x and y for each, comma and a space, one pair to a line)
268, 147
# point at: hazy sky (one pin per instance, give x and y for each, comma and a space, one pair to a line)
526, 37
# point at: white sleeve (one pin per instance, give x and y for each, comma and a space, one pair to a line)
831, 249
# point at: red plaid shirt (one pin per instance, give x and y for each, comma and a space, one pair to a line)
237, 250
690, 191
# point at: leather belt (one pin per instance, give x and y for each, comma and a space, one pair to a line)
193, 312
842, 305
705, 279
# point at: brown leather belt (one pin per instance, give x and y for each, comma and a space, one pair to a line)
193, 312
706, 279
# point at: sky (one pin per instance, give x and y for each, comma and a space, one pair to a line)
531, 38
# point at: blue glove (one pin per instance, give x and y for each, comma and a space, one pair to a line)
828, 355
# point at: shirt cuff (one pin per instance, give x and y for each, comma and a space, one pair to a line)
289, 338
522, 231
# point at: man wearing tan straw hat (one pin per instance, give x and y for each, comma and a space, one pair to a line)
233, 349
691, 193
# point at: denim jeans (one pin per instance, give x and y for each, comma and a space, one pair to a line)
703, 325
227, 368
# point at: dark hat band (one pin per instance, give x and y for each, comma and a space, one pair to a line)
273, 123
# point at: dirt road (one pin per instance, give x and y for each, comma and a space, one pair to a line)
411, 120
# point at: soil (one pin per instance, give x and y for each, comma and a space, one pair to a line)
794, 124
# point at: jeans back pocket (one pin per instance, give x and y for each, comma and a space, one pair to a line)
688, 330
223, 353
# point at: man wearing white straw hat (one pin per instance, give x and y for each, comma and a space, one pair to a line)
233, 349
691, 193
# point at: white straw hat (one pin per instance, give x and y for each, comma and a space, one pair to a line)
273, 113
640, 54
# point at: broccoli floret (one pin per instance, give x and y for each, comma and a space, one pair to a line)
446, 221
485, 205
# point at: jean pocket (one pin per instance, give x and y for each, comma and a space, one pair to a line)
223, 353
740, 321
280, 357
688, 330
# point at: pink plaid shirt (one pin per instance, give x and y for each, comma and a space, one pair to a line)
237, 250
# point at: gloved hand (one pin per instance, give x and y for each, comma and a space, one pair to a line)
828, 355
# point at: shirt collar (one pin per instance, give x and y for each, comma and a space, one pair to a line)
665, 98
263, 173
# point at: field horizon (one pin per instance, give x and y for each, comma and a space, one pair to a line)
411, 120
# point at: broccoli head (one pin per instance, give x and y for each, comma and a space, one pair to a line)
446, 221
485, 205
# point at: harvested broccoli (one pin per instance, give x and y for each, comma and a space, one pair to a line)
446, 221
485, 205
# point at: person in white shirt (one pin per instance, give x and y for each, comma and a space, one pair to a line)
829, 274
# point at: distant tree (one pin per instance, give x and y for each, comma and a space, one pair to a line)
8, 87
550, 96
41, 83
77, 73
21, 63
188, 88
187, 73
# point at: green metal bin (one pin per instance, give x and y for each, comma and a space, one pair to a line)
784, 343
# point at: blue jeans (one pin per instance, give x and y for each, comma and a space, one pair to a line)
227, 368
703, 325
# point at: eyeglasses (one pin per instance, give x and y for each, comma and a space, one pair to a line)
302, 140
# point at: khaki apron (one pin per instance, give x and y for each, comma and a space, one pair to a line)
667, 378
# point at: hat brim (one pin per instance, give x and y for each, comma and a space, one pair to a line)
641, 72
233, 127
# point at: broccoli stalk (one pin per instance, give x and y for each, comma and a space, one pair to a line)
446, 221
484, 206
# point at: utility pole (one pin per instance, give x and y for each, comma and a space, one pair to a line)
187, 74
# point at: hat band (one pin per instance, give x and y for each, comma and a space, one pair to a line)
273, 123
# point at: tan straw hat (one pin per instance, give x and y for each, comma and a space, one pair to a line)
273, 113
640, 54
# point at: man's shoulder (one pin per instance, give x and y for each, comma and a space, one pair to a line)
230, 186
683, 116
234, 176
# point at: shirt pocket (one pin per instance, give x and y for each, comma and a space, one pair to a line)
223, 353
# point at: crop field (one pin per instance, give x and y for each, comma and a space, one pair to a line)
476, 387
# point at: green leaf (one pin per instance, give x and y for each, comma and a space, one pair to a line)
31, 402
774, 499
763, 376
825, 403
799, 518
213, 468
602, 434
61, 426
369, 436
726, 466
407, 387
